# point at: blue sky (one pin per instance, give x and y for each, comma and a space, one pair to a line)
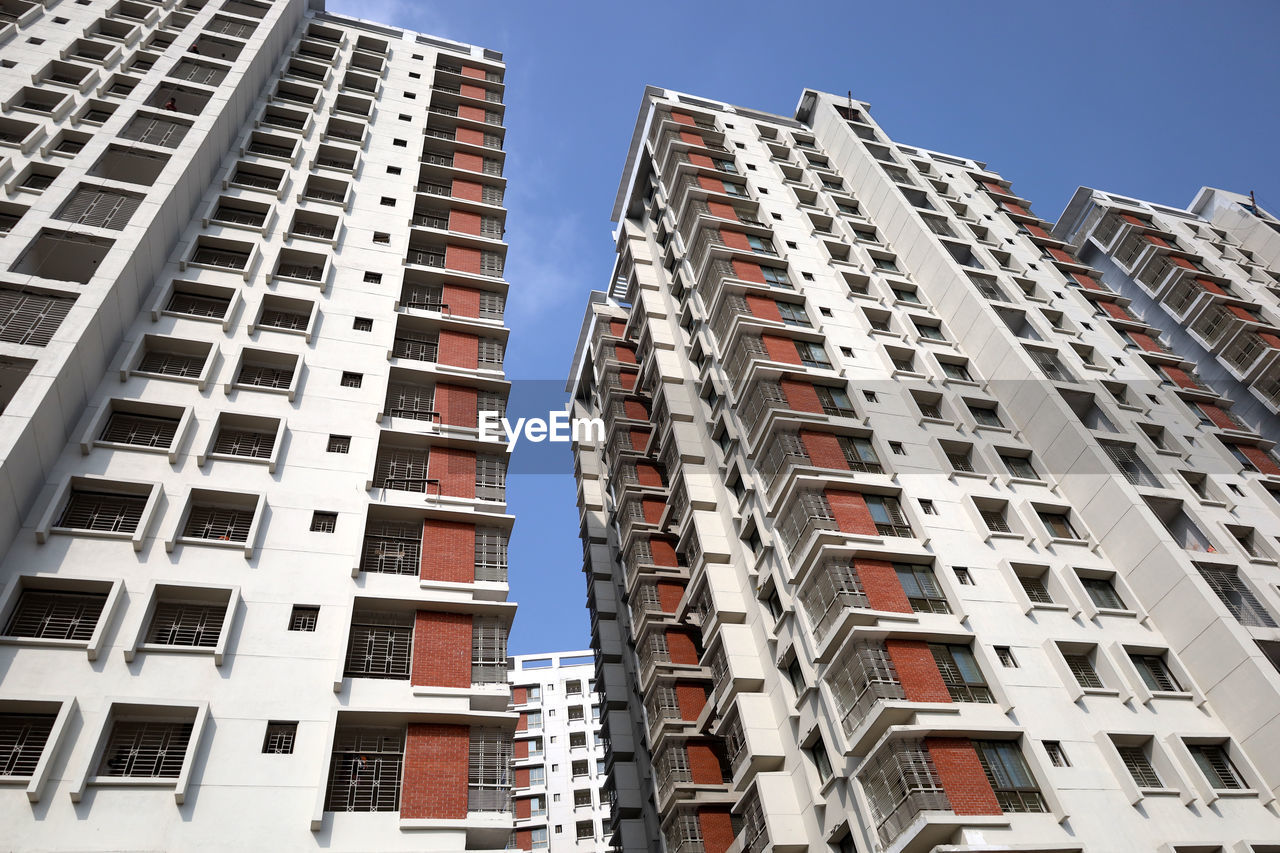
1151, 100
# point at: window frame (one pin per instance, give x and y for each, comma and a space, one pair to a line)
19, 584
92, 435
160, 591
138, 711
92, 482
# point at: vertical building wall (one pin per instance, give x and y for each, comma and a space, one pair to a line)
255, 594
954, 567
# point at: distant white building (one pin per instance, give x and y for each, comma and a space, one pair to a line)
559, 754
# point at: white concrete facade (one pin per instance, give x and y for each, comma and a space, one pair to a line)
559, 732
1089, 575
222, 609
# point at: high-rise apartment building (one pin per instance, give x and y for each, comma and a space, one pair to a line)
1207, 277
894, 542
255, 585
559, 756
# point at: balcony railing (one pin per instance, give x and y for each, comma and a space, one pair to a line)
426, 258
860, 679
416, 347
833, 586
901, 781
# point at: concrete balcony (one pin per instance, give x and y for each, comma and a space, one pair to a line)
752, 737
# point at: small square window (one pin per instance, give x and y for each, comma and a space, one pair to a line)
1007, 660
373, 278
415, 75
807, 276
35, 41
847, 352
763, 191
339, 444
362, 324
417, 56
825, 312
400, 143
896, 448
324, 522
381, 237
304, 618
59, 20
1057, 756
963, 576
280, 737
750, 168
393, 170
352, 380
387, 201
411, 95
777, 216
927, 507
869, 396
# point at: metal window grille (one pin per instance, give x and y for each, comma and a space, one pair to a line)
419, 347
269, 150
1238, 598
921, 587
1126, 458
181, 623
392, 549
150, 749
324, 522
488, 650
888, 516
265, 376
832, 588
1103, 593
960, 673
491, 555
245, 442
31, 318
99, 208
55, 615
339, 444
491, 477
1057, 756
653, 651
489, 774
860, 679
172, 363
305, 272
1035, 589
961, 461
246, 178
228, 258
661, 704
140, 430
901, 781
859, 455
995, 520
228, 27
1082, 668
490, 351
220, 523
406, 400
491, 401
22, 741
684, 833
491, 194
279, 738
239, 215
351, 380
380, 645
645, 599
115, 513
155, 131
197, 304
311, 228
304, 618
671, 767
834, 401
365, 770
401, 469
426, 297
1155, 673
1014, 786
929, 409
1217, 767
1139, 766
491, 226
809, 512
492, 305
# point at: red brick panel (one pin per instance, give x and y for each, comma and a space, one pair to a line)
521, 749
458, 349
1087, 281
917, 671
824, 450
468, 161
1269, 339
636, 410
763, 308
1062, 256
880, 583
681, 118
475, 73
469, 135
704, 763
962, 776
522, 778
1260, 458
520, 695
524, 808
1114, 310
1220, 418
801, 396
464, 221
681, 648
522, 725
469, 112
462, 259
625, 354
1242, 313
468, 190
1144, 341
691, 699
442, 651
652, 508
1178, 376
781, 349
435, 772
1015, 208
455, 468
1209, 285
850, 510
701, 160
1156, 241
639, 438
618, 328
448, 550
456, 404
717, 828
1037, 231
735, 240
627, 379
461, 301
748, 271
663, 552
648, 474
1182, 262
669, 595
468, 90
692, 138
722, 210
1133, 220
995, 188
